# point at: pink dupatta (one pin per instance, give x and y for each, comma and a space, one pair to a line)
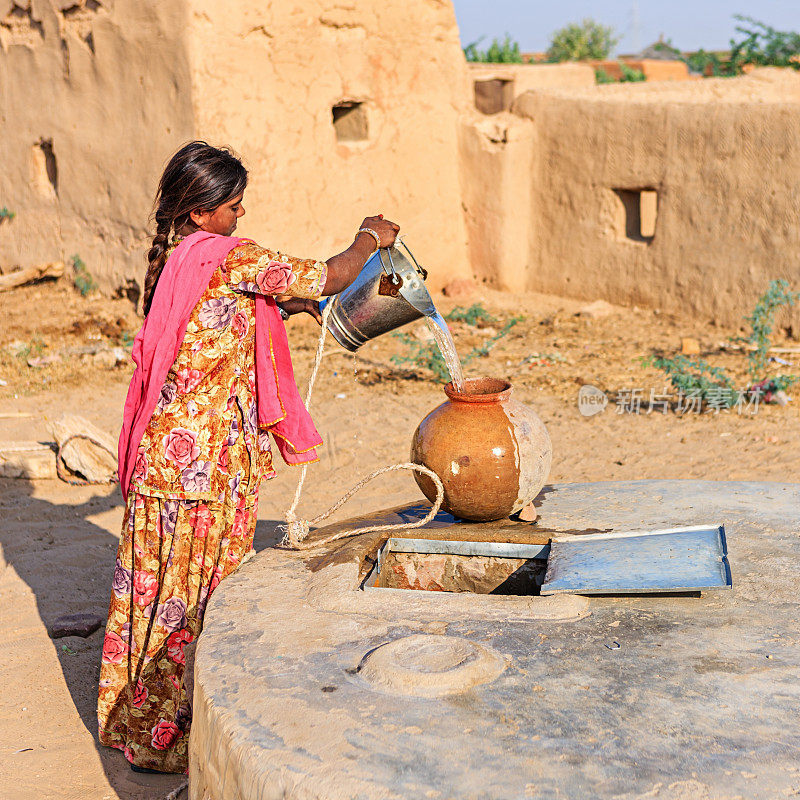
183, 280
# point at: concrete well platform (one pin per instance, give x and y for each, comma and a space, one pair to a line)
307, 687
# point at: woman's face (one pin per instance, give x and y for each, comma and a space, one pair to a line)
222, 220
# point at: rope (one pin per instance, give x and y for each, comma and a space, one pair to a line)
173, 795
296, 530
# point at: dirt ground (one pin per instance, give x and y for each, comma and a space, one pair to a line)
58, 541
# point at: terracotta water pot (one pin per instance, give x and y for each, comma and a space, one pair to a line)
491, 452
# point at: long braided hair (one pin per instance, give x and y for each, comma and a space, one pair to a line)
199, 177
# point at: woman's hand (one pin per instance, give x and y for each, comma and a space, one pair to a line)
343, 268
298, 305
383, 227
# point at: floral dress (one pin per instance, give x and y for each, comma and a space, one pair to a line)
191, 510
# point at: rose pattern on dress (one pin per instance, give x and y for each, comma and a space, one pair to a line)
168, 393
233, 485
140, 467
217, 313
126, 634
240, 325
114, 649
187, 380
145, 588
274, 278
123, 580
180, 446
171, 614
140, 694
201, 520
169, 515
176, 644
164, 734
197, 477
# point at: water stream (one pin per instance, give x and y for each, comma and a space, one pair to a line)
444, 340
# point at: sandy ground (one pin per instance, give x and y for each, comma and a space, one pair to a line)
58, 541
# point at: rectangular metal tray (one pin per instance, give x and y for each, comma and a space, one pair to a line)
639, 562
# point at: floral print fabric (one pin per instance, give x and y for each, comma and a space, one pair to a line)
171, 557
191, 511
183, 454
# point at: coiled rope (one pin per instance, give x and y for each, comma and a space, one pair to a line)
296, 530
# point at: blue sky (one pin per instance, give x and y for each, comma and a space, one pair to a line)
691, 24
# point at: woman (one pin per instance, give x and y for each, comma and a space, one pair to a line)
213, 376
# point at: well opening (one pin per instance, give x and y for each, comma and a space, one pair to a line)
453, 566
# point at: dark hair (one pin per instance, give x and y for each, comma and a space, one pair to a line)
199, 177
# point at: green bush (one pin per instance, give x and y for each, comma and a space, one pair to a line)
761, 322
699, 378
764, 46
498, 52
695, 377
581, 41
6, 214
81, 277
471, 315
629, 75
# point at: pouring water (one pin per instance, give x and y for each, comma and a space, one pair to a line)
444, 341
388, 293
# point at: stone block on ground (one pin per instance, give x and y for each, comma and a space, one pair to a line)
597, 310
460, 289
690, 346
82, 625
27, 460
86, 451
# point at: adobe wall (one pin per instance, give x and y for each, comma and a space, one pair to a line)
117, 85
92, 97
266, 78
723, 157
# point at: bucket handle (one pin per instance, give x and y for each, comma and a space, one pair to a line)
391, 272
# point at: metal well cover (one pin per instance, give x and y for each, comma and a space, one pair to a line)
671, 560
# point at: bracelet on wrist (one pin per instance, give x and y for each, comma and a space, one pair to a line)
373, 235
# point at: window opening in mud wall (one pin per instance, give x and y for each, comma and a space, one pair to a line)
640, 210
493, 96
44, 169
350, 121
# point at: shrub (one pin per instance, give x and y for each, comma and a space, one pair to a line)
764, 46
81, 277
581, 41
629, 75
761, 321
498, 52
472, 315
699, 378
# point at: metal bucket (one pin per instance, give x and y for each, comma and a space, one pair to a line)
388, 292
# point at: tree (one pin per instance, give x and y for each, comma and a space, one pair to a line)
764, 46
579, 41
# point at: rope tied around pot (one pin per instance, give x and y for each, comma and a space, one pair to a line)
297, 529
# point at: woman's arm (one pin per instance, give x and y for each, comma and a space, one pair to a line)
344, 267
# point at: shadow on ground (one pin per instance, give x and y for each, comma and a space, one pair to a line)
63, 548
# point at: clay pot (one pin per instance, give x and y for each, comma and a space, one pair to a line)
492, 453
